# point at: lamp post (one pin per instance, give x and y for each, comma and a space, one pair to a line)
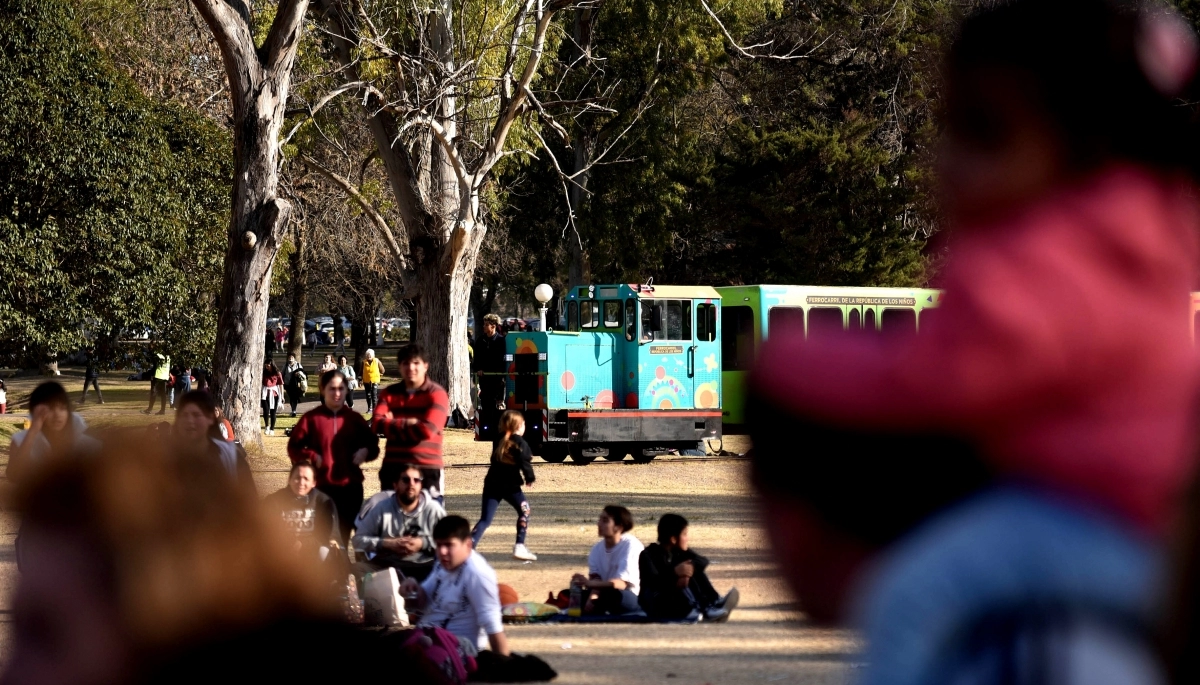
543, 293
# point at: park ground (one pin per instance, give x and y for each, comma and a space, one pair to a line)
766, 640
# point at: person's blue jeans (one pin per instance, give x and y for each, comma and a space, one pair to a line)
491, 502
615, 602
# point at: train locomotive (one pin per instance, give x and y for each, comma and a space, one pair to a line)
636, 372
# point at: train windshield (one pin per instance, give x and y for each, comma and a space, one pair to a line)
666, 320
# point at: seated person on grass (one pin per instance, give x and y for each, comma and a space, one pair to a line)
461, 595
612, 579
396, 529
674, 584
307, 512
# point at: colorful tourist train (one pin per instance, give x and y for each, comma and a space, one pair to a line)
642, 369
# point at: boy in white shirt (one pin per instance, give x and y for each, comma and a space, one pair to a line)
462, 594
613, 577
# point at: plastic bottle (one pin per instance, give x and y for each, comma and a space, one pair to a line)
575, 608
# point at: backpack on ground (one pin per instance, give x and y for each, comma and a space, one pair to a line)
442, 649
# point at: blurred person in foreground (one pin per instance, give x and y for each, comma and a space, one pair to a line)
54, 431
196, 433
151, 567
336, 441
991, 496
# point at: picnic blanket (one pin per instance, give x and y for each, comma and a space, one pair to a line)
636, 617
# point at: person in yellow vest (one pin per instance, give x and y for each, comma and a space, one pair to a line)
372, 374
158, 385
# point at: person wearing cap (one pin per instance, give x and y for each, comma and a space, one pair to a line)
489, 365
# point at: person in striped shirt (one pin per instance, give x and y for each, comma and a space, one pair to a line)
411, 415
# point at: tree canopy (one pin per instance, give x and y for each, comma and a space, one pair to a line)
113, 205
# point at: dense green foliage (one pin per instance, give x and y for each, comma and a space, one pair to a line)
113, 207
810, 170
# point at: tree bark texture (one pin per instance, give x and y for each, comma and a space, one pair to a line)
259, 78
299, 304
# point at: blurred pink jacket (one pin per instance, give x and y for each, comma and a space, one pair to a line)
1063, 348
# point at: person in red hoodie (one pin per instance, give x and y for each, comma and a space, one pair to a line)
980, 496
337, 441
412, 416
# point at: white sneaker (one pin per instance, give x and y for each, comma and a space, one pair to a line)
522, 553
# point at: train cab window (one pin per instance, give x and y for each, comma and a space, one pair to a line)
612, 313
737, 338
823, 321
573, 315
648, 321
894, 321
706, 322
674, 320
780, 318
589, 314
687, 320
630, 319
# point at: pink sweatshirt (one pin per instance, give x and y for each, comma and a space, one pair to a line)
1063, 348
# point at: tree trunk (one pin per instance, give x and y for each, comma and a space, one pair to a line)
442, 306
299, 305
579, 271
256, 229
259, 76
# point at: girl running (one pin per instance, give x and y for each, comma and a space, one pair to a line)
512, 465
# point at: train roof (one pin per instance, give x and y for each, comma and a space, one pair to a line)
696, 292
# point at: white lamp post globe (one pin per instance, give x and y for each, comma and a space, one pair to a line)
543, 293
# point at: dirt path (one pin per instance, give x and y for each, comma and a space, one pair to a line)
766, 641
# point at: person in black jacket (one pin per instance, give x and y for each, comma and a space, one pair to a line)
489, 367
306, 511
674, 583
512, 465
91, 377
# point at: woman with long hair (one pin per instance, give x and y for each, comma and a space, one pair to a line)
272, 395
512, 466
197, 434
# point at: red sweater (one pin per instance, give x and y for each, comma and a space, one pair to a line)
329, 441
1062, 348
420, 443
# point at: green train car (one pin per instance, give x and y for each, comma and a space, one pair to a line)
750, 311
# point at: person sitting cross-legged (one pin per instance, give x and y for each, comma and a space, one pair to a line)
395, 528
674, 582
462, 594
612, 580
307, 512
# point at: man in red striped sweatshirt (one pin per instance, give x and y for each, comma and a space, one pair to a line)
412, 416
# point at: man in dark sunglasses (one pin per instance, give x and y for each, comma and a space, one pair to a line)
395, 528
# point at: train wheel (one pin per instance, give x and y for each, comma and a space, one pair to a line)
614, 452
645, 453
583, 454
555, 454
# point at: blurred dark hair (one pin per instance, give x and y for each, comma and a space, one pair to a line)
182, 551
204, 402
48, 392
411, 351
330, 375
670, 526
868, 484
452, 526
303, 463
620, 516
1114, 77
